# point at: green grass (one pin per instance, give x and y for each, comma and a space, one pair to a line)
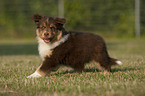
18, 60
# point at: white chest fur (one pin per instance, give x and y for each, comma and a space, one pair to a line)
45, 49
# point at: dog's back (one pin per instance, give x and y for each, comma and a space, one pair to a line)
81, 48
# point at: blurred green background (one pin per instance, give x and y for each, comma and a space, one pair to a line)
109, 18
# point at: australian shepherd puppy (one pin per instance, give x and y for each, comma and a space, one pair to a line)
58, 47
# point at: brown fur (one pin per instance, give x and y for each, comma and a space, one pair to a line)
76, 51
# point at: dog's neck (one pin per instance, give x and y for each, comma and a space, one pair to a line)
46, 48
55, 44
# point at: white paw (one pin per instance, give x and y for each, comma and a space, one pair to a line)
34, 75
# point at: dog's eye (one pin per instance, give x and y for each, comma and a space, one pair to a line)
43, 27
52, 28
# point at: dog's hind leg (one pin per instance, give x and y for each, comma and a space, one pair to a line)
102, 60
100, 66
78, 67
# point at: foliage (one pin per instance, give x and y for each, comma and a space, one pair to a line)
101, 16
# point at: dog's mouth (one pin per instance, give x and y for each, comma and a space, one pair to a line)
47, 40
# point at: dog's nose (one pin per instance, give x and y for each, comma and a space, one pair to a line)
46, 34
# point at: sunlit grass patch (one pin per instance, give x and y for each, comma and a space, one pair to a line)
125, 80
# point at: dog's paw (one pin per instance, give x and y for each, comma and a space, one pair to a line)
34, 75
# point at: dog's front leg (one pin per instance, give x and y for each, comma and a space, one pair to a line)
45, 68
38, 73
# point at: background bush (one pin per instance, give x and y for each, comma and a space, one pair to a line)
97, 16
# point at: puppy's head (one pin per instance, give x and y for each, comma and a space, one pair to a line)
49, 29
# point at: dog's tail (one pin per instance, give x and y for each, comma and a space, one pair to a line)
115, 62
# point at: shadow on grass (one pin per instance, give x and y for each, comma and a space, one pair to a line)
122, 70
18, 49
97, 70
112, 70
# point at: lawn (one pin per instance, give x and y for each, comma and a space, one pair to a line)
20, 59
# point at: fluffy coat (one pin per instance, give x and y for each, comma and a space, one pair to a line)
74, 49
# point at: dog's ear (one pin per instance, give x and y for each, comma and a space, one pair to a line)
37, 18
60, 20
